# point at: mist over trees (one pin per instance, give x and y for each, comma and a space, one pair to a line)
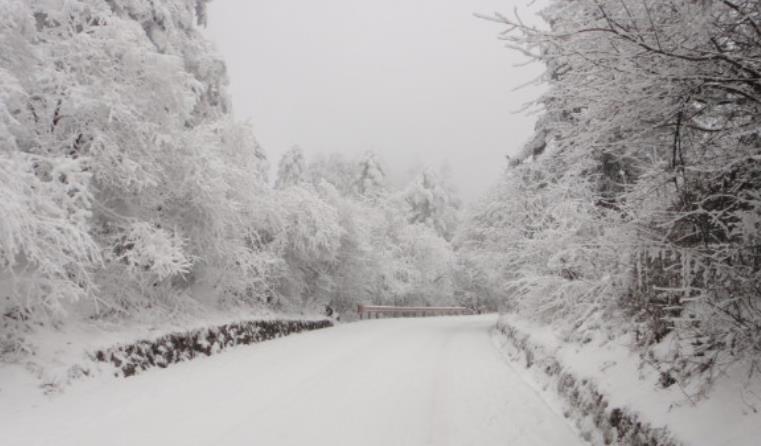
636, 207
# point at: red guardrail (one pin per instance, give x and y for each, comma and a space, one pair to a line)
367, 311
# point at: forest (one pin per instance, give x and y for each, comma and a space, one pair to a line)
129, 191
636, 206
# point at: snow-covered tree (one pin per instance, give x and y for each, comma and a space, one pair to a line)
291, 170
431, 202
334, 169
305, 232
371, 178
427, 263
652, 118
115, 120
127, 189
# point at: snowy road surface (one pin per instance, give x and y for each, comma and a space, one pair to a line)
433, 381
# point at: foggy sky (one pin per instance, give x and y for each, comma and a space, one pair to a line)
420, 82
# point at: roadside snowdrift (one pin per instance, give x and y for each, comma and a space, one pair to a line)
614, 399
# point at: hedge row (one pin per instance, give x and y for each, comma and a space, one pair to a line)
136, 357
600, 424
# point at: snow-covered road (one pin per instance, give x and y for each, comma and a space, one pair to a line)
434, 381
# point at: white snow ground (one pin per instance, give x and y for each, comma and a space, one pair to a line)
433, 381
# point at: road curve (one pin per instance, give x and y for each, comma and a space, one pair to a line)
430, 381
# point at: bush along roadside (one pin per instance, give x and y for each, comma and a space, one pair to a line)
133, 358
598, 422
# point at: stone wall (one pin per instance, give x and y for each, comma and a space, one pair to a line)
166, 350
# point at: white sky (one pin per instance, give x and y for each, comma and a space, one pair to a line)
420, 82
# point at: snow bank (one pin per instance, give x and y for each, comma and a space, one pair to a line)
614, 399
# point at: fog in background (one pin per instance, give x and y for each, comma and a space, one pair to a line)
421, 82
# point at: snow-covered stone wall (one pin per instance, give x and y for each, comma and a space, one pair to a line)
598, 421
133, 358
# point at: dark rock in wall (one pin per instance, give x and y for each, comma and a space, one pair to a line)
169, 349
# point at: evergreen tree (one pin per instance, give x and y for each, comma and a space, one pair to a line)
430, 202
371, 178
291, 170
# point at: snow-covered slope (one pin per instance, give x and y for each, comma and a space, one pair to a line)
435, 381
611, 394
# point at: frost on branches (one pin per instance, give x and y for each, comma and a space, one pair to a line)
292, 168
432, 202
123, 179
345, 238
640, 193
371, 179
